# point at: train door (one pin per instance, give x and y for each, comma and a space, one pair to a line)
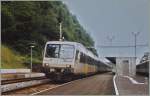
77, 61
77, 57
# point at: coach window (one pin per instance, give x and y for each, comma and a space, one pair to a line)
86, 59
89, 60
92, 62
82, 58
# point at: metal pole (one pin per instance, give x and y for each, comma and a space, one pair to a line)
135, 40
31, 60
60, 31
135, 48
110, 38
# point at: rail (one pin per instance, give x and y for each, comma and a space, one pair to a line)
3, 82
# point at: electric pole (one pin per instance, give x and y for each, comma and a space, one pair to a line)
135, 34
60, 20
110, 39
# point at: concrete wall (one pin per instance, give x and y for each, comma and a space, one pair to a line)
125, 66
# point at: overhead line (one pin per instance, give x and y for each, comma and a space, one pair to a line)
144, 45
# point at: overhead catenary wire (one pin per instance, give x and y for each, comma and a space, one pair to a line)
118, 46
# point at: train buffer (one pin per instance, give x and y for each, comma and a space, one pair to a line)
125, 85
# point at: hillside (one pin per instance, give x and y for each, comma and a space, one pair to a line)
24, 22
11, 59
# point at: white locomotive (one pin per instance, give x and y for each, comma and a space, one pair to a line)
64, 60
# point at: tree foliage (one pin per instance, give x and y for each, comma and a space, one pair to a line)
29, 21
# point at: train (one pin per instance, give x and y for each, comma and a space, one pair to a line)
143, 68
66, 60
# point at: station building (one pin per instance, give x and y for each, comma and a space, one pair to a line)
125, 66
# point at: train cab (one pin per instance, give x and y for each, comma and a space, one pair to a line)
58, 56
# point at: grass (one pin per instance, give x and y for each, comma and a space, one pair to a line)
10, 59
13, 60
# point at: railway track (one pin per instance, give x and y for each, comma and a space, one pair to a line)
3, 82
15, 84
49, 86
32, 89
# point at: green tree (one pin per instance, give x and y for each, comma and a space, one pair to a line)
29, 21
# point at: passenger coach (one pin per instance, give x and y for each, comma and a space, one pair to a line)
63, 59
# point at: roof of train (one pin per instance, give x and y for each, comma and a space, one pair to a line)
61, 42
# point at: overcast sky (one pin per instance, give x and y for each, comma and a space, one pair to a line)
113, 18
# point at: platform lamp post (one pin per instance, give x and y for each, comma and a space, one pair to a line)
60, 31
32, 45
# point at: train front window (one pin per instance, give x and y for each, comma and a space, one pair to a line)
67, 51
63, 51
52, 50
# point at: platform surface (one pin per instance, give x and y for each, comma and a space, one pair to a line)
100, 84
132, 85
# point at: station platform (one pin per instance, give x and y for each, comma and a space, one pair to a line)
125, 85
8, 74
100, 84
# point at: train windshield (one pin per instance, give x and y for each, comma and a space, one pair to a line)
60, 51
52, 50
67, 51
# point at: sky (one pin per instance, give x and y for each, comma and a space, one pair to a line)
115, 19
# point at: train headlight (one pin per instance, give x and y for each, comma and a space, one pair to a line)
46, 64
68, 66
